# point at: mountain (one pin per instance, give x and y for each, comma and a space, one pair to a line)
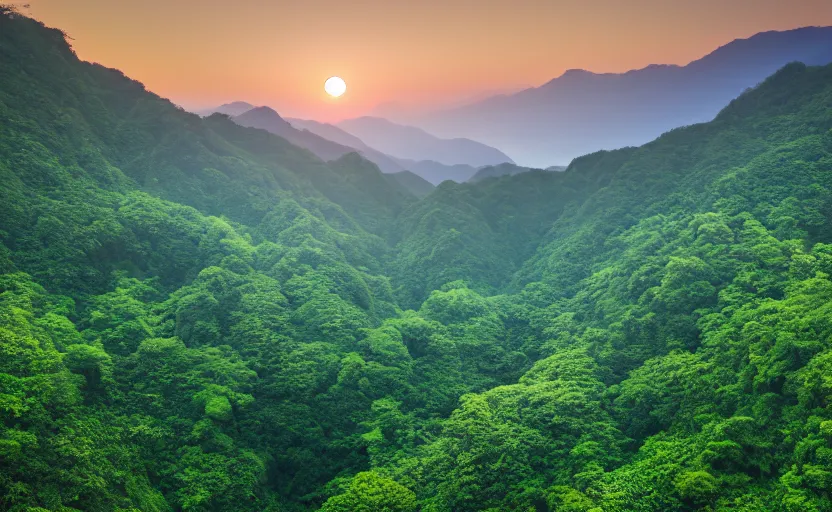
412, 143
495, 171
331, 132
436, 172
230, 109
581, 112
116, 202
267, 119
412, 182
200, 316
433, 172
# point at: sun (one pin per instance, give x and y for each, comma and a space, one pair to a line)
335, 86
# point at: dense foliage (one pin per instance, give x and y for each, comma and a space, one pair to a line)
200, 316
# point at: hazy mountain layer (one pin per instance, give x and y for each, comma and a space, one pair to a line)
436, 173
433, 172
232, 109
495, 171
580, 112
267, 119
412, 143
331, 132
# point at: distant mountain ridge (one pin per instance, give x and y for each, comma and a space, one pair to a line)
580, 112
416, 144
232, 109
496, 171
268, 119
437, 172
329, 142
331, 132
431, 171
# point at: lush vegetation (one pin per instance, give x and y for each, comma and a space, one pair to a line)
200, 316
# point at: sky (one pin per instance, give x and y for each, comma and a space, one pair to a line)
420, 54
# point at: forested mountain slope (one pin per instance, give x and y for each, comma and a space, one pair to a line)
495, 171
200, 316
415, 184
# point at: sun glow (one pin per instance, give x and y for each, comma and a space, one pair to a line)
335, 86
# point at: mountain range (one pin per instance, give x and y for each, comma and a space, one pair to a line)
200, 316
496, 171
267, 119
331, 132
412, 143
235, 108
330, 142
580, 112
430, 170
576, 113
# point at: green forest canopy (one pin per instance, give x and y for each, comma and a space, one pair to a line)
199, 316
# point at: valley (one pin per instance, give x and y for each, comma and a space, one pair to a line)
236, 311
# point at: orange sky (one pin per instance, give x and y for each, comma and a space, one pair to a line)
279, 52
